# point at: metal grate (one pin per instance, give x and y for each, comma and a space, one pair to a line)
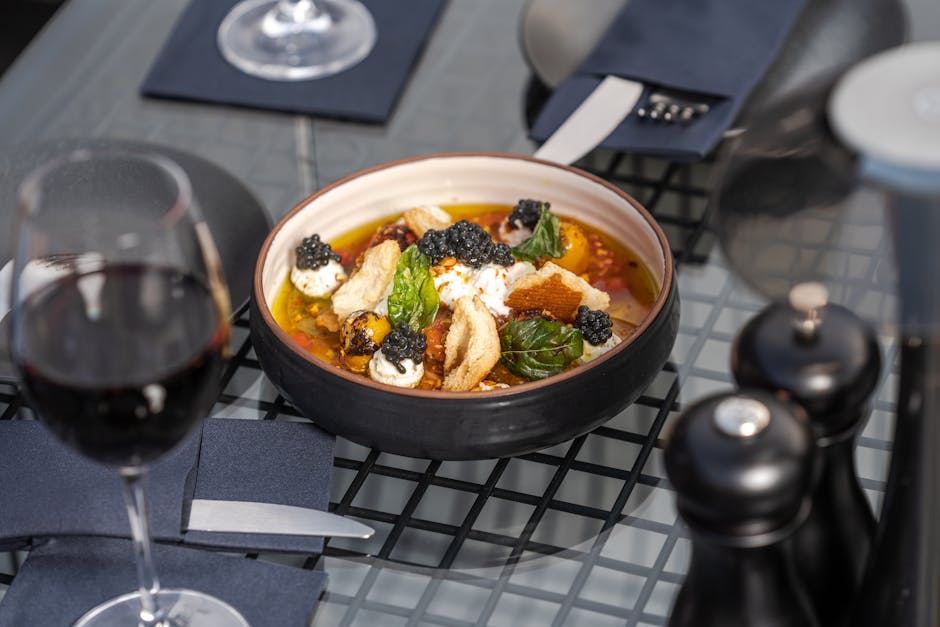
583, 533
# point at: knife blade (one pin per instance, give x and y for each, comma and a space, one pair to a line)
273, 518
594, 119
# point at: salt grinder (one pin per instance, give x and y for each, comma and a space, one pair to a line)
827, 360
742, 468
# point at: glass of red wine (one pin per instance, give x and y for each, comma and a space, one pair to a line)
120, 331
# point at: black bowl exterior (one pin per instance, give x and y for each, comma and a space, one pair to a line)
476, 427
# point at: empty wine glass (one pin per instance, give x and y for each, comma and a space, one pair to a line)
291, 40
120, 331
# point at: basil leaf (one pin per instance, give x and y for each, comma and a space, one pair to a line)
545, 240
414, 299
538, 348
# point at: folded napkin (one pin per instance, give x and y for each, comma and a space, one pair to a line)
48, 490
65, 577
716, 49
190, 67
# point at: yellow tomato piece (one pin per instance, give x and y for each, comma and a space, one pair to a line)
577, 250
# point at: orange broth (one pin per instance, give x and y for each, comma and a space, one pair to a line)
612, 267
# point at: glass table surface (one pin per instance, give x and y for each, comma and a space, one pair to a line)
582, 534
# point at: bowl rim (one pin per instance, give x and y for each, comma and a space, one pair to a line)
530, 386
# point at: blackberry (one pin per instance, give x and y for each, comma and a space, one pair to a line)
527, 213
313, 254
466, 241
595, 325
404, 343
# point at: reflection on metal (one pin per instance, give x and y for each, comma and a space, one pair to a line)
741, 417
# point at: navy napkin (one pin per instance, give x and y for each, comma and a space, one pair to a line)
716, 49
63, 578
190, 66
289, 463
48, 490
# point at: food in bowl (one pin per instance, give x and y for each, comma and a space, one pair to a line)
464, 297
440, 424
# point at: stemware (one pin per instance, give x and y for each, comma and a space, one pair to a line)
290, 40
121, 348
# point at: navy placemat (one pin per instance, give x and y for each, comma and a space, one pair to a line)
718, 49
64, 578
190, 66
48, 490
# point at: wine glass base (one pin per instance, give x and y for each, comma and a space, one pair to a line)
184, 608
293, 52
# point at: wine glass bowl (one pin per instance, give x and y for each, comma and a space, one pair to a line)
120, 331
290, 40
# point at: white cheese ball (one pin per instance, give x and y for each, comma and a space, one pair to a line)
318, 282
592, 352
383, 370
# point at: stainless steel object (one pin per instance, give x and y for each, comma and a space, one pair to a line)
592, 121
741, 417
250, 517
671, 108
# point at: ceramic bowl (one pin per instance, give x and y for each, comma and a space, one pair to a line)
464, 425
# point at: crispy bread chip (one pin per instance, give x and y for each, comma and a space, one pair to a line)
367, 285
559, 291
421, 219
471, 348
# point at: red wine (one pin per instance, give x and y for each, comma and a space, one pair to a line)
122, 362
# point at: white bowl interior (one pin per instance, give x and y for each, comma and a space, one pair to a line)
461, 179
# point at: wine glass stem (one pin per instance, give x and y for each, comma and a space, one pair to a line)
150, 614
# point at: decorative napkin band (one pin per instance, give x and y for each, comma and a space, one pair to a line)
714, 51
48, 490
190, 66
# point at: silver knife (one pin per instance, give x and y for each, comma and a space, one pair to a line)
590, 124
250, 517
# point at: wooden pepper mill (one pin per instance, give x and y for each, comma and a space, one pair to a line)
828, 360
742, 467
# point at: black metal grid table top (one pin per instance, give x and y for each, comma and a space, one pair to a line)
584, 533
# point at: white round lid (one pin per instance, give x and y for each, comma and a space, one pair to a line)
887, 108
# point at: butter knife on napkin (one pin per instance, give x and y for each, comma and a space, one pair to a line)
592, 121
262, 485
250, 517
712, 50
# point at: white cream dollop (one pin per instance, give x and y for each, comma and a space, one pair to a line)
381, 369
513, 237
318, 282
592, 352
492, 283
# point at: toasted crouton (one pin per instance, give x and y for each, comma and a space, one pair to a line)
559, 291
471, 348
368, 285
426, 217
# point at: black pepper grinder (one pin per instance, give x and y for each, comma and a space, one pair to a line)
742, 467
828, 360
